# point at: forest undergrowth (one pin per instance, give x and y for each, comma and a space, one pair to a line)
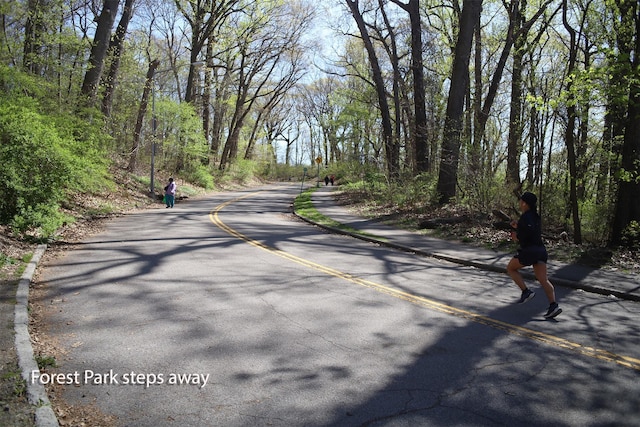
478, 228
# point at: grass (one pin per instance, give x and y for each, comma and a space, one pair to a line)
45, 362
19, 385
304, 207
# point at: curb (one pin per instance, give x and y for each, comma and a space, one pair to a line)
556, 280
45, 417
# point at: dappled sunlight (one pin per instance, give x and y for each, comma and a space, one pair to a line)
295, 325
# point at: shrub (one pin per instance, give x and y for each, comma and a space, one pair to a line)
43, 157
631, 236
200, 176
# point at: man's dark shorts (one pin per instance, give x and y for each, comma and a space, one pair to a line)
532, 255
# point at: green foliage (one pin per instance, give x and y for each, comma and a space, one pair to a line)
632, 176
243, 170
44, 156
282, 172
200, 176
180, 136
631, 236
18, 384
415, 193
45, 362
304, 207
596, 220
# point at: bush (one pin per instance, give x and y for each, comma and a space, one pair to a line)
43, 157
243, 170
200, 176
631, 236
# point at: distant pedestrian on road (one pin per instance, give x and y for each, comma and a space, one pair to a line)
326, 180
528, 232
170, 193
332, 178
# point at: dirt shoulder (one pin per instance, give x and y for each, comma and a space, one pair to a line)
15, 408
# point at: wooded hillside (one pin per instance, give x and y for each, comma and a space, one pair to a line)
427, 102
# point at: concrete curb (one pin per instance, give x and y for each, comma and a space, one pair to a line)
45, 417
556, 280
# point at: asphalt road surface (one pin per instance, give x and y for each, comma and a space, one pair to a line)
231, 312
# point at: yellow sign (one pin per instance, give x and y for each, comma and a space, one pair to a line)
319, 159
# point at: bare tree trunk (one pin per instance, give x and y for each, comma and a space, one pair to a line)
383, 103
33, 30
570, 133
219, 113
204, 18
99, 50
419, 102
514, 139
448, 176
628, 203
422, 148
115, 49
142, 111
392, 51
476, 142
206, 96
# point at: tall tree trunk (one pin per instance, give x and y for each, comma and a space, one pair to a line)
616, 110
206, 95
419, 101
142, 111
421, 143
448, 175
99, 50
219, 113
392, 51
517, 28
204, 18
514, 139
194, 67
115, 49
570, 132
383, 104
628, 203
476, 156
34, 29
230, 150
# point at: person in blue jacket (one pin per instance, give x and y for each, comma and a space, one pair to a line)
532, 252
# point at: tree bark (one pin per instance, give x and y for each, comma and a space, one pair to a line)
383, 103
628, 203
34, 28
115, 49
419, 101
570, 133
142, 111
99, 50
421, 143
450, 152
514, 139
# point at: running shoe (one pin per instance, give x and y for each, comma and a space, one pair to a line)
527, 294
554, 310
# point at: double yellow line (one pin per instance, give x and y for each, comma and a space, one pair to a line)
626, 361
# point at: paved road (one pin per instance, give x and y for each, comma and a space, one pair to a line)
289, 325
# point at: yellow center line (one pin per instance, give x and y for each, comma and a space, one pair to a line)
600, 354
